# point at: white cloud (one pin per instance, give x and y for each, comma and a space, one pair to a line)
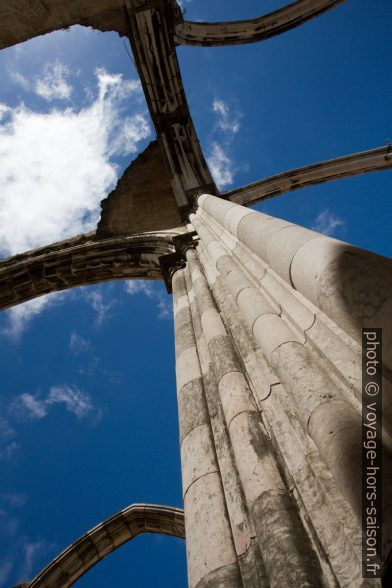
32, 553
20, 79
8, 445
221, 165
139, 286
165, 308
77, 402
327, 223
154, 292
78, 345
4, 109
57, 166
133, 128
53, 84
9, 525
227, 121
82, 347
14, 499
218, 158
8, 451
33, 407
18, 317
23, 555
97, 301
26, 406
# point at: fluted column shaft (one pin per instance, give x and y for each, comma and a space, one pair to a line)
211, 554
286, 550
350, 285
282, 295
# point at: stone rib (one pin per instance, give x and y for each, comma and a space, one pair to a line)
79, 262
310, 175
97, 543
204, 34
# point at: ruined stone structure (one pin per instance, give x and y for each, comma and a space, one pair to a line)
268, 319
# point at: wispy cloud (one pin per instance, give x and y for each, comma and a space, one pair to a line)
183, 3
219, 158
34, 407
227, 121
54, 83
28, 407
327, 223
81, 347
95, 297
8, 445
221, 165
4, 109
75, 401
140, 286
165, 309
18, 317
26, 553
20, 80
154, 292
6, 565
21, 553
14, 499
78, 344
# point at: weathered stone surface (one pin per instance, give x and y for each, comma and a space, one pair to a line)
316, 487
321, 401
21, 20
209, 543
250, 31
317, 173
143, 199
226, 577
81, 261
191, 406
278, 512
197, 455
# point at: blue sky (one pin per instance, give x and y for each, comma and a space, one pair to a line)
88, 420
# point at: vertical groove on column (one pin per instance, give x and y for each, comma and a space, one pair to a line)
246, 545
211, 556
338, 542
287, 553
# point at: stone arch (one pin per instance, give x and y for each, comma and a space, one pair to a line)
103, 539
80, 261
205, 34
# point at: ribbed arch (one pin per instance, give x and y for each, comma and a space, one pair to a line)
81, 261
204, 34
103, 539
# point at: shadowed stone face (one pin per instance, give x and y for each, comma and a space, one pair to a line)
142, 200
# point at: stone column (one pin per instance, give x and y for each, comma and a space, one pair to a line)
286, 550
211, 555
350, 285
302, 299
